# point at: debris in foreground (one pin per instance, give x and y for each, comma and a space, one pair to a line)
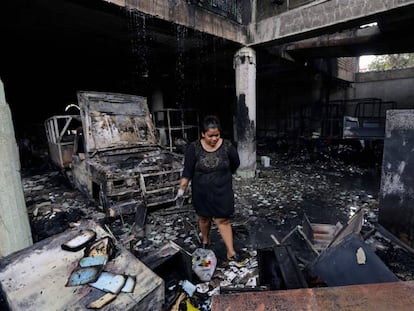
80, 241
45, 267
368, 297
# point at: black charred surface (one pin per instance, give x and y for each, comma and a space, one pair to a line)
397, 215
117, 50
52, 204
243, 59
3, 304
397, 259
46, 227
245, 127
397, 193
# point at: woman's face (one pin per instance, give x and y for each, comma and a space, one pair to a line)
211, 136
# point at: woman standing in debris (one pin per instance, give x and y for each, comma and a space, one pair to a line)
209, 163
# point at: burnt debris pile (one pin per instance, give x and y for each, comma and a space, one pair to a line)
296, 217
53, 206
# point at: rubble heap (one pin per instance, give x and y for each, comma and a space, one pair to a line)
268, 207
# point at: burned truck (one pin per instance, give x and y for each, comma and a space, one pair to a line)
116, 159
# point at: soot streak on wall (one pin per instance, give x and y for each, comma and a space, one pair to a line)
245, 127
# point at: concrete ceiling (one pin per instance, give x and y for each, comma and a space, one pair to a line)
50, 50
390, 35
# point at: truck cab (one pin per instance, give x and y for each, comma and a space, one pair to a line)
116, 159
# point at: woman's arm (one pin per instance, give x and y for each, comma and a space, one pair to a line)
189, 167
184, 183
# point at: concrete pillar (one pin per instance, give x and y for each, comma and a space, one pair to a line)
15, 231
245, 69
396, 202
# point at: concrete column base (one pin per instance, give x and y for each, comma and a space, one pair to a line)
246, 173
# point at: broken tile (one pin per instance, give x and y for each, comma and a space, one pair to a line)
82, 276
102, 301
129, 284
80, 241
109, 282
98, 260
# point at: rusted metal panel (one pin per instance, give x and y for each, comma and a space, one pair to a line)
370, 297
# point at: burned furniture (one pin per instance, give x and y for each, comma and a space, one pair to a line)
360, 118
350, 262
173, 264
331, 255
322, 236
44, 268
368, 120
345, 258
278, 268
176, 127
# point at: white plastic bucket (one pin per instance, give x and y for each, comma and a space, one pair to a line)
265, 161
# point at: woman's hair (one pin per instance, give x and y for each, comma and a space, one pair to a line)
210, 122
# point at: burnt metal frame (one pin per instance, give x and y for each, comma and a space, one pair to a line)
334, 115
170, 127
55, 135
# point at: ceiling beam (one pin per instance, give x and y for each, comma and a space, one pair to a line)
192, 16
321, 17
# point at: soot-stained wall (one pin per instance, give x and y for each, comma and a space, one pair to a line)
397, 178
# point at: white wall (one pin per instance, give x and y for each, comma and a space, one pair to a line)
393, 85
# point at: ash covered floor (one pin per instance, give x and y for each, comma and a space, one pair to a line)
328, 185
